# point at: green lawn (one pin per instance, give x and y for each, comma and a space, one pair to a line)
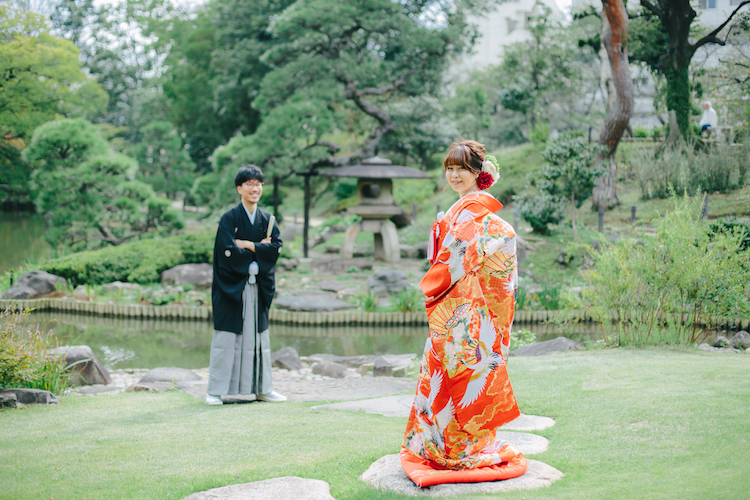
630, 424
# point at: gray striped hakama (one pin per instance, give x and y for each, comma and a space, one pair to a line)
241, 364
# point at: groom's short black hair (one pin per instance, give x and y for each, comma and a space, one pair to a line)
250, 172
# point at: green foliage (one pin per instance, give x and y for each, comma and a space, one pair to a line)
24, 361
730, 226
368, 300
570, 168
522, 298
641, 131
549, 298
43, 78
164, 162
86, 191
671, 288
541, 210
408, 299
140, 261
720, 168
521, 337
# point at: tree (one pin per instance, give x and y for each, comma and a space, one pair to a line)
42, 76
677, 16
164, 162
534, 70
568, 175
86, 192
615, 41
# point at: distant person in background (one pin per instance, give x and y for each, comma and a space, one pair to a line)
245, 253
709, 120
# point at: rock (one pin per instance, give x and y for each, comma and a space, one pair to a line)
564, 259
9, 399
741, 340
329, 369
528, 423
311, 301
708, 348
332, 286
170, 375
333, 249
80, 292
720, 341
397, 365
288, 264
196, 297
409, 252
560, 344
116, 286
83, 364
286, 357
290, 231
152, 387
33, 285
386, 474
350, 361
286, 488
198, 275
385, 282
29, 396
337, 265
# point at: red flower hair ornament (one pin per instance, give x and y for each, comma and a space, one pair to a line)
485, 180
489, 174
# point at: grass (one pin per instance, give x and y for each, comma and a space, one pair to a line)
630, 424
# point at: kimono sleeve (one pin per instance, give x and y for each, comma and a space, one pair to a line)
268, 253
233, 260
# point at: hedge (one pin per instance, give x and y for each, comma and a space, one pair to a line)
140, 261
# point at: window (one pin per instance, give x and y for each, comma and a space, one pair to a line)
711, 4
734, 2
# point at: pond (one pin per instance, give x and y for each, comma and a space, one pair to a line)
140, 343
21, 239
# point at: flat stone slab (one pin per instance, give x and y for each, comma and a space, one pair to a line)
529, 444
386, 474
287, 488
171, 375
554, 346
311, 301
400, 406
30, 396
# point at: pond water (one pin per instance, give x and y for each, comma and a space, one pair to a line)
140, 343
21, 239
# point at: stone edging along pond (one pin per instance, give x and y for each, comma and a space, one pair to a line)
279, 316
301, 318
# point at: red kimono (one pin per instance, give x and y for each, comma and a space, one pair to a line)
464, 394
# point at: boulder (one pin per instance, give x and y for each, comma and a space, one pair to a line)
332, 286
409, 252
286, 357
116, 286
396, 365
9, 399
741, 340
198, 275
28, 397
311, 301
80, 292
86, 368
560, 344
720, 341
288, 264
287, 488
708, 348
170, 375
387, 474
151, 387
329, 369
33, 285
384, 282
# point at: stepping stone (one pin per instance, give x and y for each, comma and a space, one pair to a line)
288, 488
311, 301
400, 406
529, 444
386, 474
170, 375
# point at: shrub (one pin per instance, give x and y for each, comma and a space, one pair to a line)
368, 300
521, 337
669, 289
641, 131
522, 298
541, 210
24, 361
140, 261
549, 298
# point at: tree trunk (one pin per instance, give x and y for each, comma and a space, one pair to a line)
678, 94
615, 40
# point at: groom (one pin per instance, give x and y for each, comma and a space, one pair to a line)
245, 253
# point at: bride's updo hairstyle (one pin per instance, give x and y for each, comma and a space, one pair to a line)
469, 154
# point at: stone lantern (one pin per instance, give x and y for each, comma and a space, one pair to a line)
376, 205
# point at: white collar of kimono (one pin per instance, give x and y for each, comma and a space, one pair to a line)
250, 215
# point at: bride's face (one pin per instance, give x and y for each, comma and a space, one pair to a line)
461, 179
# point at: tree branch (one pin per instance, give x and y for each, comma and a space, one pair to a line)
711, 37
654, 9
